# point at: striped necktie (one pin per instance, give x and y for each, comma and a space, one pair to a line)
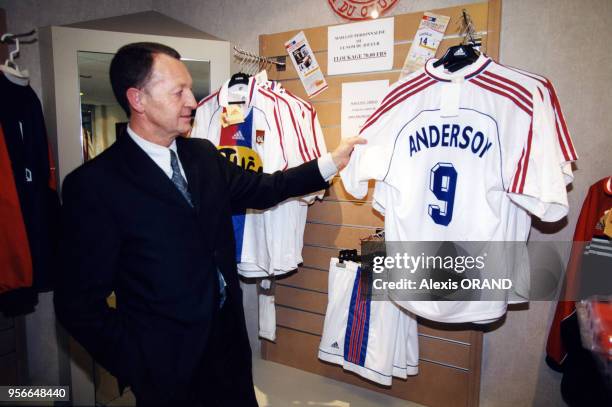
177, 178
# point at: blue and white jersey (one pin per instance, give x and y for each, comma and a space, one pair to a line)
254, 144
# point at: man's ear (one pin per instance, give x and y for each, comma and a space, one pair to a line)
134, 97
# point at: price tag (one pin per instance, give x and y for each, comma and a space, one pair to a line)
232, 115
426, 42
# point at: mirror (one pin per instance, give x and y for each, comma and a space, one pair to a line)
102, 119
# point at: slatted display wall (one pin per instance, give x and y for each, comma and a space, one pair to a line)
450, 356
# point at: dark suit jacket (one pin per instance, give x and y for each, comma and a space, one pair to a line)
127, 228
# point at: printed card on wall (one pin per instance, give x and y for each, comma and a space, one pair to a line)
359, 101
426, 42
360, 47
306, 64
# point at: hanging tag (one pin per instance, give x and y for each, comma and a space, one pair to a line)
425, 43
261, 77
231, 115
306, 64
450, 98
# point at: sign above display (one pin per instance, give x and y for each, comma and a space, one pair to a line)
361, 9
366, 46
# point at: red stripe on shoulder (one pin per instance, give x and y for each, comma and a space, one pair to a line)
502, 93
402, 86
531, 75
298, 132
400, 97
397, 92
207, 98
267, 94
510, 82
509, 89
559, 114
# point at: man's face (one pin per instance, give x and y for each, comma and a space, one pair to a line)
167, 98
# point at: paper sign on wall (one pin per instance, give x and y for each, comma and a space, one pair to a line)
306, 64
426, 42
360, 47
359, 101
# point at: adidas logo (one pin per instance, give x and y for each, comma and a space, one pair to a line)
238, 136
335, 345
460, 53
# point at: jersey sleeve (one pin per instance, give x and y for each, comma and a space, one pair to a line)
318, 148
371, 160
203, 122
565, 139
538, 183
317, 135
564, 146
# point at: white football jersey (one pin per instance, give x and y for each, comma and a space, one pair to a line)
521, 218
459, 156
303, 141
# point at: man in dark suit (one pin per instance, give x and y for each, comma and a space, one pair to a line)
150, 219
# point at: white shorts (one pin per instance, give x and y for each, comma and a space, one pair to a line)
375, 339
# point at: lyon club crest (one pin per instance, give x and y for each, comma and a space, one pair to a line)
259, 136
361, 9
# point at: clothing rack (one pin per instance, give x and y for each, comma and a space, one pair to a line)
9, 38
255, 60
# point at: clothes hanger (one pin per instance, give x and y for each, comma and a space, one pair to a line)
457, 57
10, 67
464, 54
348, 255
240, 78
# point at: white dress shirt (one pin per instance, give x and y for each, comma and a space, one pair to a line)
159, 154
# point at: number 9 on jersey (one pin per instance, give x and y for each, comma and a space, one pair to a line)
442, 182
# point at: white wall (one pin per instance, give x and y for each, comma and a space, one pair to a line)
556, 38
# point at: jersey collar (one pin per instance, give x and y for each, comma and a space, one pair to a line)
466, 73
